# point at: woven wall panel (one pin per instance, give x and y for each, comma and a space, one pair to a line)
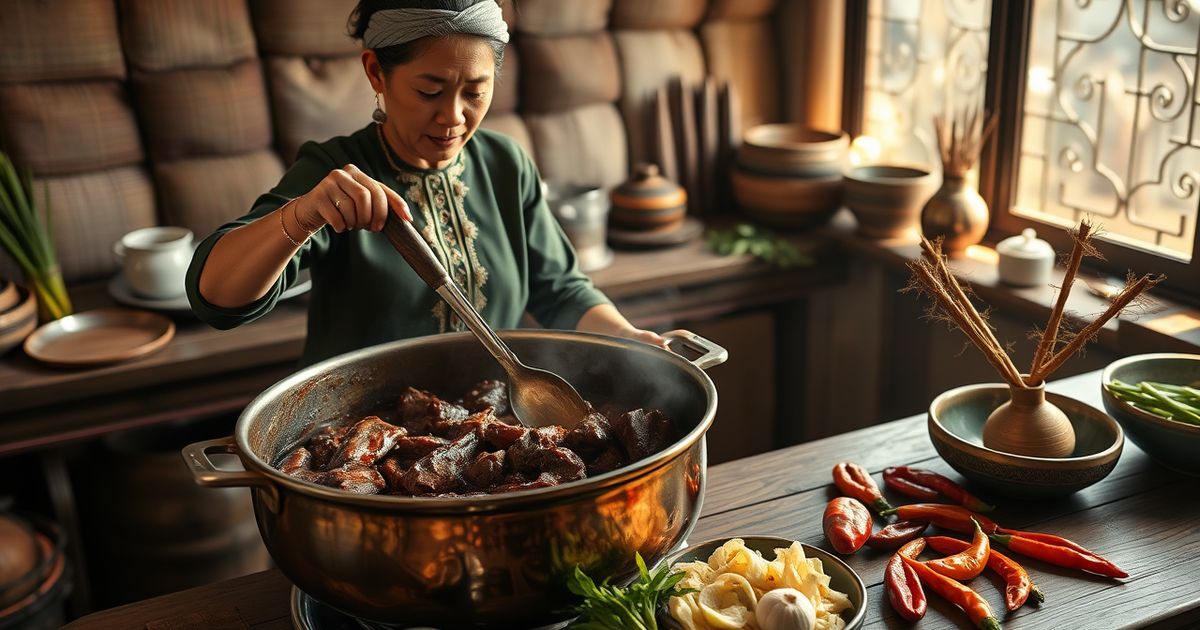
566, 72
316, 99
32, 52
203, 193
744, 53
60, 128
203, 112
740, 9
303, 27
584, 145
649, 60
657, 14
171, 34
513, 126
562, 17
92, 211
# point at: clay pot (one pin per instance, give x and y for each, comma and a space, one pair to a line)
957, 213
787, 202
886, 200
1029, 425
648, 202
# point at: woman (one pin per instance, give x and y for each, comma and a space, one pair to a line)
473, 194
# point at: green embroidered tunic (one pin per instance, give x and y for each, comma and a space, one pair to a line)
483, 215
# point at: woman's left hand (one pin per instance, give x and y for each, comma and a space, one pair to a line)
646, 336
607, 320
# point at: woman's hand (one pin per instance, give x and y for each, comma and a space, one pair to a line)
348, 199
645, 336
607, 320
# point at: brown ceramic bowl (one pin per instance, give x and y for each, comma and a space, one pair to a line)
8, 295
787, 202
887, 199
794, 150
956, 420
18, 322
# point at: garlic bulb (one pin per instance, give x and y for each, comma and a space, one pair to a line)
785, 609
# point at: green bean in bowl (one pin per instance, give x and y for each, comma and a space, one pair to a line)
1173, 402
1154, 398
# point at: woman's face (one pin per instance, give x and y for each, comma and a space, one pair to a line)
435, 102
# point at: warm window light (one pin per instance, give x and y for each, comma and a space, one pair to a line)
1041, 81
865, 150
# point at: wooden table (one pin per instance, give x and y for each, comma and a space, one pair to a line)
1142, 516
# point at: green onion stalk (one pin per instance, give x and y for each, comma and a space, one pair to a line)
26, 237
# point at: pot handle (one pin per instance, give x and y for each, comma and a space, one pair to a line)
206, 473
710, 353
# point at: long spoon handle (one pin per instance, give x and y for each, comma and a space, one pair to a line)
488, 337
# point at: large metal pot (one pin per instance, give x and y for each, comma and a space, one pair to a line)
497, 561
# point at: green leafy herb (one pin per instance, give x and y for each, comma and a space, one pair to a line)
25, 235
607, 607
1173, 402
758, 242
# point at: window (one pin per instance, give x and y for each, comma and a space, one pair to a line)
1099, 108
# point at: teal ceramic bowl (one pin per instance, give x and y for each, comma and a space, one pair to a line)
956, 420
1175, 445
841, 576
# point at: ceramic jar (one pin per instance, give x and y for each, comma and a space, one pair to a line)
957, 213
582, 211
1025, 260
155, 260
1029, 425
648, 202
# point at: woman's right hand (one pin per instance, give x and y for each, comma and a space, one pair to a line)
348, 199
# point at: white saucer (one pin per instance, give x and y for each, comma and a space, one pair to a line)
120, 291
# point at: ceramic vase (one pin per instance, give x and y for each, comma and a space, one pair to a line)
957, 213
1029, 425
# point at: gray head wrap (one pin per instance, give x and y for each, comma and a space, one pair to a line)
391, 27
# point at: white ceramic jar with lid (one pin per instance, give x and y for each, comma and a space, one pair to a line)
1025, 260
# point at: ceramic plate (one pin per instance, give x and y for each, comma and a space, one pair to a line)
120, 291
106, 335
841, 576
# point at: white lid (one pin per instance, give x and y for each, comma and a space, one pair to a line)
1025, 245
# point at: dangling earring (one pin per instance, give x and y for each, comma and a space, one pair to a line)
378, 115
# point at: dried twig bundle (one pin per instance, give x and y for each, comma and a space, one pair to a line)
961, 140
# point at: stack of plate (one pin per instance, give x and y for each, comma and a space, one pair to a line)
18, 315
790, 176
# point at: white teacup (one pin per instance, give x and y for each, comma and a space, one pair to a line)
156, 260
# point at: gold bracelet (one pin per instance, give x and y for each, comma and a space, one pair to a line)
283, 227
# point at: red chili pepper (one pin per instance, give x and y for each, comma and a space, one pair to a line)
1059, 541
969, 563
971, 602
933, 481
1060, 556
950, 517
1017, 585
847, 524
903, 587
896, 534
854, 481
893, 480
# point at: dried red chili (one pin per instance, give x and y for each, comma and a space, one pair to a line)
1058, 555
971, 602
1059, 541
896, 534
903, 587
854, 481
950, 517
968, 563
903, 479
847, 524
1017, 585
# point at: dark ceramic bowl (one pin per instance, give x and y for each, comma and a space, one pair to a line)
841, 576
956, 420
1175, 445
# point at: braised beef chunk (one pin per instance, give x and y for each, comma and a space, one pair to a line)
417, 446
487, 470
354, 478
325, 444
369, 439
591, 436
486, 394
535, 454
643, 433
420, 409
445, 449
442, 470
501, 434
300, 459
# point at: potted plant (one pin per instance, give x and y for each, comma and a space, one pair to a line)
25, 235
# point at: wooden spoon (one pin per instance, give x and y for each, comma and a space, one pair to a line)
538, 398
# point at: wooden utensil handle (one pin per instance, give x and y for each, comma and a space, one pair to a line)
416, 251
